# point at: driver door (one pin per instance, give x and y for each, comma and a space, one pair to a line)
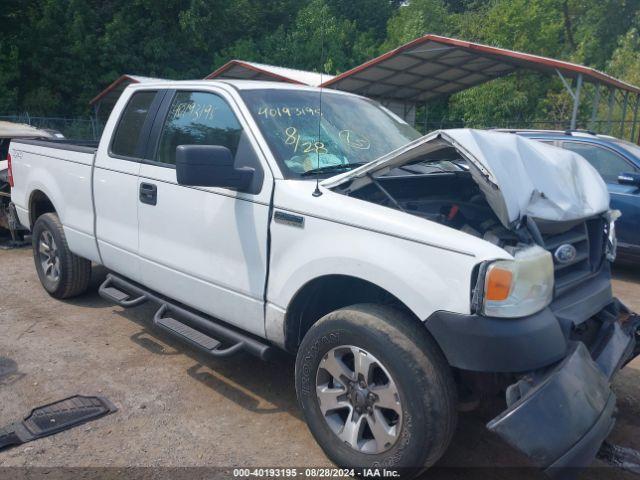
205, 247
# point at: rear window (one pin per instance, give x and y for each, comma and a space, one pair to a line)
127, 136
198, 118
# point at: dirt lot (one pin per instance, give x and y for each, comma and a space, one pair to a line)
178, 408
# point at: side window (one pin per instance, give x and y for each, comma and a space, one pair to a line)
198, 118
132, 120
608, 163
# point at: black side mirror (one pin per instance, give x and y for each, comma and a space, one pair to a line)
210, 166
629, 178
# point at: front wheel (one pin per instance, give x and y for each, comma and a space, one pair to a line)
375, 389
62, 273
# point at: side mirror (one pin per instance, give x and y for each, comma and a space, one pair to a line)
210, 166
629, 178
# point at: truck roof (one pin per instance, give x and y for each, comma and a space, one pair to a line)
238, 84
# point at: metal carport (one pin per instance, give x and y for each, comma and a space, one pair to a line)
433, 66
241, 70
108, 97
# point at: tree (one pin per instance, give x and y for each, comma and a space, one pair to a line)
58, 54
416, 19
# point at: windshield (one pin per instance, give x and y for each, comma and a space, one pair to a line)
353, 130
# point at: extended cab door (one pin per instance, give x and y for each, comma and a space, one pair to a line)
115, 181
205, 247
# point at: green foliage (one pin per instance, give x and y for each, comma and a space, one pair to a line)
533, 26
58, 54
512, 98
585, 31
416, 19
324, 35
625, 62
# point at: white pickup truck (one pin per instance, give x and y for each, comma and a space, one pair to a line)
410, 274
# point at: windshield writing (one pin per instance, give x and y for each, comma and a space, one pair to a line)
347, 130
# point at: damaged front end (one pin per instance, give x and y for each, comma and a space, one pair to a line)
546, 319
559, 416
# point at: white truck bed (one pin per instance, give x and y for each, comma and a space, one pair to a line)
71, 191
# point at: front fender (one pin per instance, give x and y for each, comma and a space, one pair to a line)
425, 278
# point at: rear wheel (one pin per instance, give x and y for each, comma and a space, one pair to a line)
62, 273
375, 389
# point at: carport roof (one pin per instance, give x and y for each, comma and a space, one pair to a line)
240, 69
432, 66
111, 94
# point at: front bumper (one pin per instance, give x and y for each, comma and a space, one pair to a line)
518, 345
559, 416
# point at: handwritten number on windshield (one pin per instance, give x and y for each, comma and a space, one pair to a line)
354, 140
293, 139
287, 111
193, 110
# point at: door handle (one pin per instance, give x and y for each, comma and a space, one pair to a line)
148, 193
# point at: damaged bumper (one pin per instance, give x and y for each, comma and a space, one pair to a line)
560, 416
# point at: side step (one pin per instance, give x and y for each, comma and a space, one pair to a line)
113, 294
193, 336
199, 331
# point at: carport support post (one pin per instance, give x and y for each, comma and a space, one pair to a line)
575, 95
624, 113
612, 98
426, 118
635, 118
576, 103
94, 120
594, 111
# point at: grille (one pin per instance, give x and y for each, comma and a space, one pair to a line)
588, 239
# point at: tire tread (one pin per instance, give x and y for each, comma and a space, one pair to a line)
429, 371
76, 273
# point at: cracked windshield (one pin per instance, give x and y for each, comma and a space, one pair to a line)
353, 130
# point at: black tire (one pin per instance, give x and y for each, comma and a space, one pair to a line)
74, 272
420, 372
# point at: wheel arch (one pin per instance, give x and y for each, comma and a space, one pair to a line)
327, 293
39, 204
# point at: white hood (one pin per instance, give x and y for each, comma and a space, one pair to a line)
519, 177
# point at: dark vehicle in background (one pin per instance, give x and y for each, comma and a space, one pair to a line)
618, 162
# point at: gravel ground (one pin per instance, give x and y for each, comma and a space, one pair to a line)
179, 408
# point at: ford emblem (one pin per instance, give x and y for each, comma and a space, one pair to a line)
565, 253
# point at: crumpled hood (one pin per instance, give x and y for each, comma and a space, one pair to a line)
519, 177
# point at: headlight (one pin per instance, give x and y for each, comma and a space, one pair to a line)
518, 287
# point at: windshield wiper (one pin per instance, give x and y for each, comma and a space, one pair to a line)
333, 168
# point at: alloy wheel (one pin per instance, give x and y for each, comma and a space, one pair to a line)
49, 256
359, 399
